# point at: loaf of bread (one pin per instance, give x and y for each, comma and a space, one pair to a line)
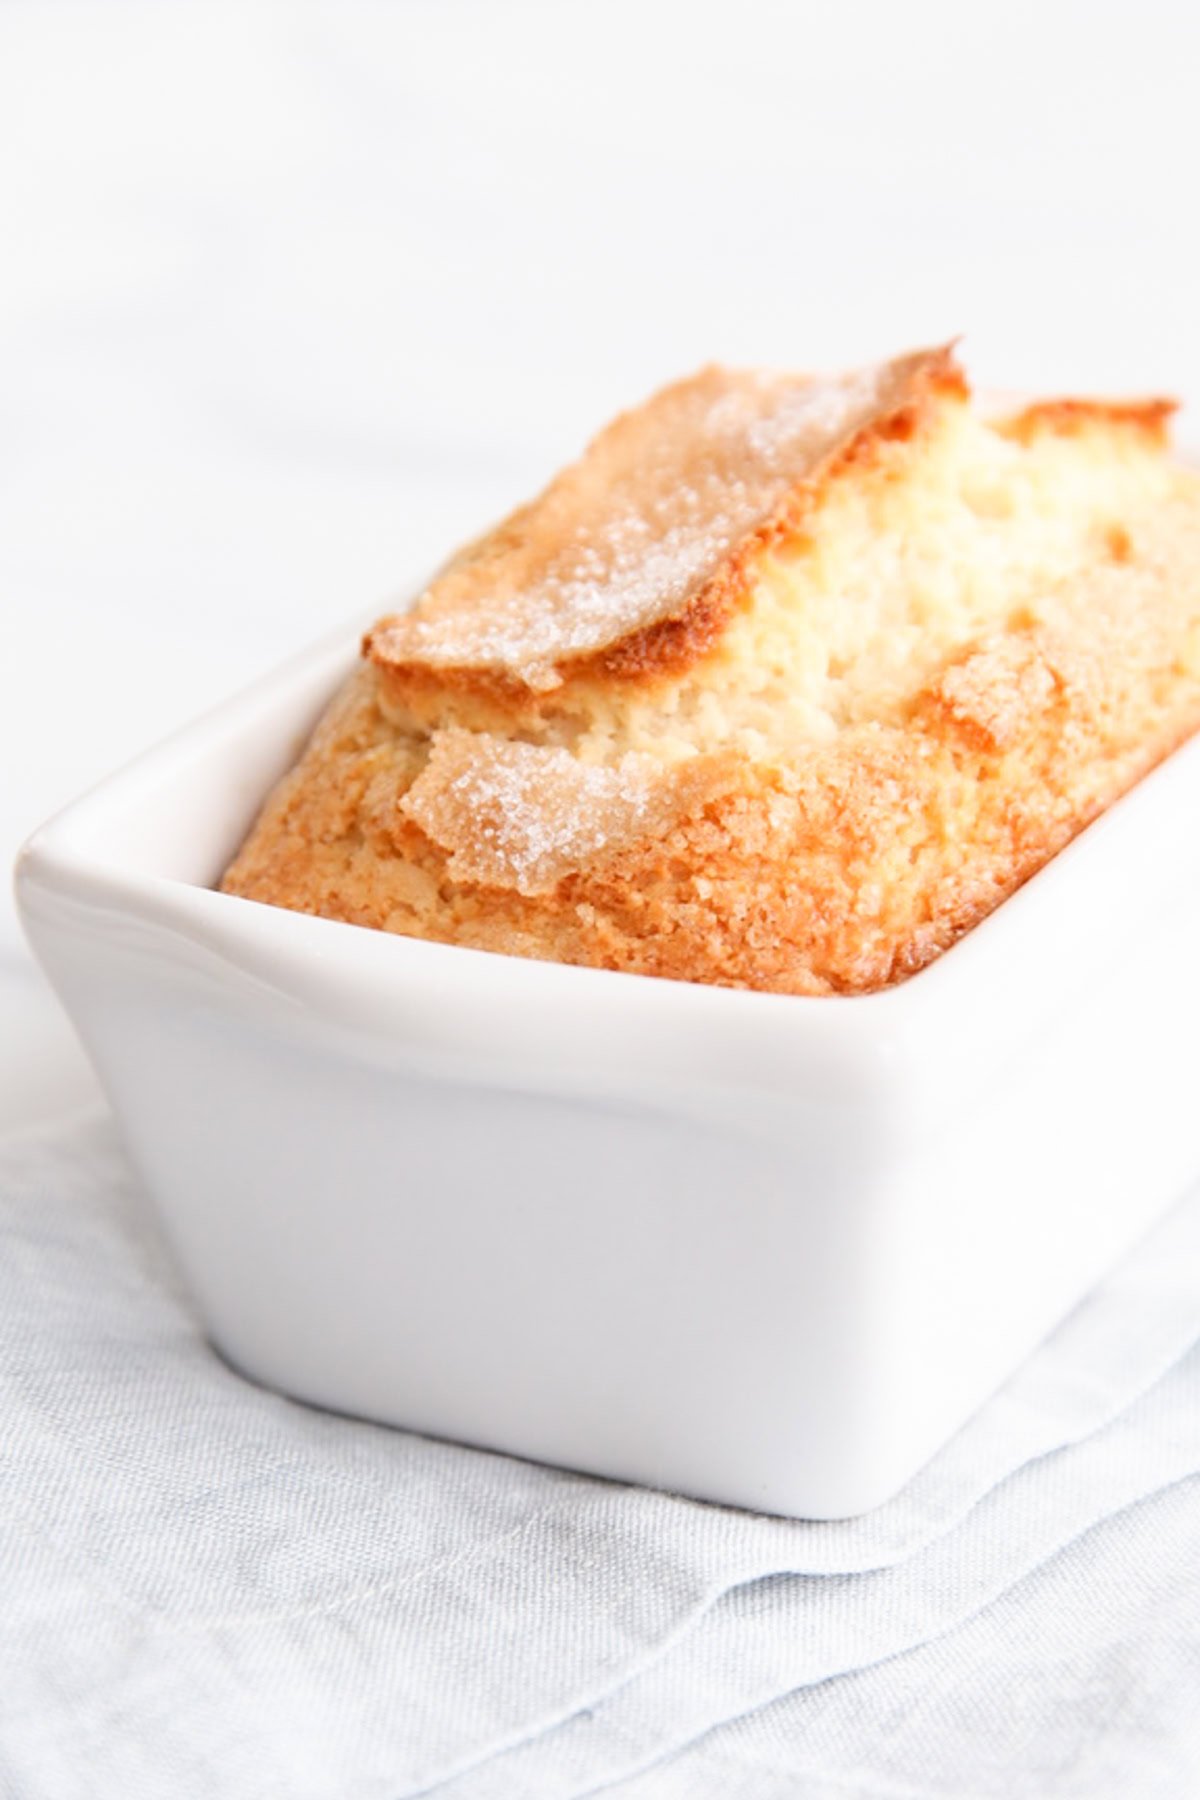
784, 685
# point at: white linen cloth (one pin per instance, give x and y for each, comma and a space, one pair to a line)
207, 1590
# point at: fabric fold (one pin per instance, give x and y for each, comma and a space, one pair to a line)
768, 1638
1034, 1695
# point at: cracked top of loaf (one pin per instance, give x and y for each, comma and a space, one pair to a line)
630, 559
785, 684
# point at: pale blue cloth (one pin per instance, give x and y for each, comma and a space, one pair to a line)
210, 1593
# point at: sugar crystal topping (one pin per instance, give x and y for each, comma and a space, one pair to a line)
625, 537
522, 815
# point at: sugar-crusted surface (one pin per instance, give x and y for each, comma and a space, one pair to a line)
524, 815
959, 641
622, 539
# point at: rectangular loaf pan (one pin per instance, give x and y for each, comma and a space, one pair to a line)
759, 1249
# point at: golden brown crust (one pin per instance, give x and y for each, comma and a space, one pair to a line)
745, 485
839, 876
1149, 418
1043, 577
675, 643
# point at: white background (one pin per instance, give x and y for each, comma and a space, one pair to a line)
291, 298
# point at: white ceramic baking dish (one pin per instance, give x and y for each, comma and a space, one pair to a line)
764, 1250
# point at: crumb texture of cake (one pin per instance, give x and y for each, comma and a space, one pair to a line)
784, 685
